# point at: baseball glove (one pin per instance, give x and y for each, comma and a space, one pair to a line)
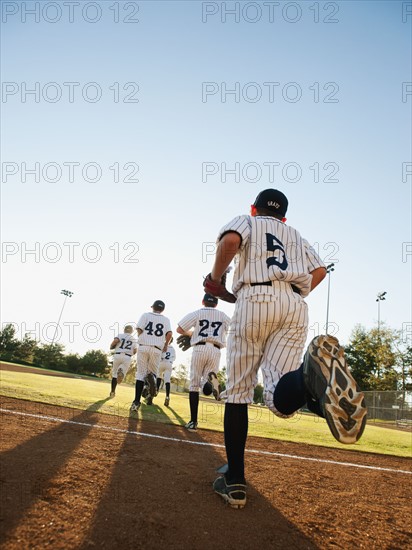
183, 342
219, 289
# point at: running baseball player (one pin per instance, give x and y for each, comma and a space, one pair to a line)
155, 335
275, 271
207, 329
124, 346
165, 370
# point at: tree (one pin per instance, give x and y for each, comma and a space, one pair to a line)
222, 377
26, 350
94, 362
8, 343
372, 358
50, 356
73, 362
181, 373
258, 394
404, 364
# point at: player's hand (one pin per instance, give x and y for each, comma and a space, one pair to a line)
218, 289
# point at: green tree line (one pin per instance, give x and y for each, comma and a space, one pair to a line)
27, 350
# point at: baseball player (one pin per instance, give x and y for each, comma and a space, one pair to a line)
165, 370
207, 337
124, 346
155, 335
275, 270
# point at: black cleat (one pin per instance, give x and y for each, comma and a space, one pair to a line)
234, 494
330, 384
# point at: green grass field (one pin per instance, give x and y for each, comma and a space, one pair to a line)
85, 393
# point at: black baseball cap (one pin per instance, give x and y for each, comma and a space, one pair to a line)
158, 304
272, 199
209, 299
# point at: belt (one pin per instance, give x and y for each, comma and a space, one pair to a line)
120, 352
157, 348
204, 343
269, 283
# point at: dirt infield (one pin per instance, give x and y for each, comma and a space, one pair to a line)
78, 479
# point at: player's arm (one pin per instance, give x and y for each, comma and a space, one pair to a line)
318, 275
179, 330
169, 335
114, 343
226, 250
139, 331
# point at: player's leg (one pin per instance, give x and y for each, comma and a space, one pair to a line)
211, 368
115, 368
160, 373
196, 367
167, 376
152, 368
284, 391
244, 350
141, 371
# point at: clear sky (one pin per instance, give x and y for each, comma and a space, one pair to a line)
132, 131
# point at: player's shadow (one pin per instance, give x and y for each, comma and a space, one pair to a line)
160, 496
26, 470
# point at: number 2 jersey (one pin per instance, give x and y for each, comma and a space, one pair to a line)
154, 327
209, 324
271, 250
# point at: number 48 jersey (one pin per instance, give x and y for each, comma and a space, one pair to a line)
154, 327
209, 324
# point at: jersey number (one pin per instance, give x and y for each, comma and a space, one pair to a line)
158, 331
167, 356
204, 323
275, 245
128, 344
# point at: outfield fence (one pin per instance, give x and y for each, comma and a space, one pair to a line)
389, 406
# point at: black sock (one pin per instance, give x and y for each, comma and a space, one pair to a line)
138, 390
167, 389
114, 384
194, 405
236, 426
158, 382
290, 393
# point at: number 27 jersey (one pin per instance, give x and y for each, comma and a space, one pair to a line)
209, 324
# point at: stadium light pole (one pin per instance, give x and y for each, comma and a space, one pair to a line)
67, 294
329, 269
380, 297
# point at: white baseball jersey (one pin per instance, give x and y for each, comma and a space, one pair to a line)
123, 352
169, 356
271, 250
209, 324
127, 344
166, 364
154, 327
209, 336
269, 326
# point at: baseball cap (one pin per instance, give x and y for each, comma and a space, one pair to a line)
209, 299
158, 304
272, 199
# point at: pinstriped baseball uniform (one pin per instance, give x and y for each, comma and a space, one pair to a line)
166, 364
123, 352
270, 322
209, 336
151, 341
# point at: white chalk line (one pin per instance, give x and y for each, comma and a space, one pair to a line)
205, 444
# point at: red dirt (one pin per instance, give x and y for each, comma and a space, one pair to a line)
66, 485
